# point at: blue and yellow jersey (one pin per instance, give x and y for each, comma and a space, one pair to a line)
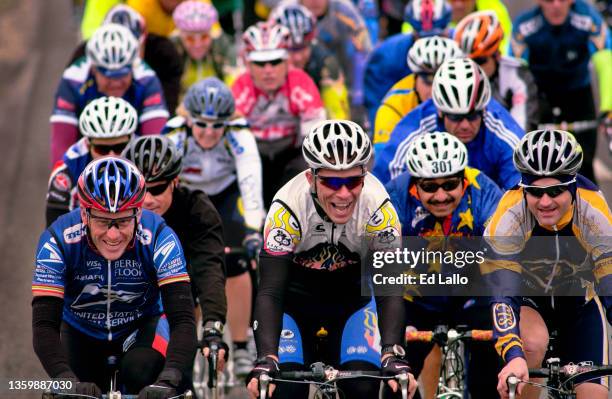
581, 246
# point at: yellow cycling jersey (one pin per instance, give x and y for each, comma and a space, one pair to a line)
397, 103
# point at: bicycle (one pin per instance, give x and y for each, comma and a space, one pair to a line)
561, 379
324, 378
451, 384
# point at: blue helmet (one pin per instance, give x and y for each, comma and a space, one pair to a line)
209, 98
111, 184
428, 17
128, 17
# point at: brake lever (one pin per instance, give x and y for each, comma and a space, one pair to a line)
512, 381
403, 381
264, 381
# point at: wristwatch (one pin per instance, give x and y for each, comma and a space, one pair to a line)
396, 350
214, 325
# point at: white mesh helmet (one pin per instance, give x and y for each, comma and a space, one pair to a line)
266, 41
548, 153
336, 144
427, 54
438, 154
108, 117
112, 47
460, 86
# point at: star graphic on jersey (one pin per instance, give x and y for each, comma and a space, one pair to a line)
466, 219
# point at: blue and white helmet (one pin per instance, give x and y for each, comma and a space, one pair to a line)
209, 98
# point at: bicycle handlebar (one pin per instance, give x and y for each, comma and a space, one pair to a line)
575, 127
442, 337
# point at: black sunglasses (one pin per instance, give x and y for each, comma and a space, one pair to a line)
105, 149
158, 190
432, 187
108, 223
472, 116
205, 125
336, 183
263, 63
552, 191
480, 60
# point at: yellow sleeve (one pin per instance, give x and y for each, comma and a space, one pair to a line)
335, 100
93, 16
397, 103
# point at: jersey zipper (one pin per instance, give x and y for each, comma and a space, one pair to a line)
108, 303
554, 270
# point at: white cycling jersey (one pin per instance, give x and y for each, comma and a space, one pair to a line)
235, 157
296, 225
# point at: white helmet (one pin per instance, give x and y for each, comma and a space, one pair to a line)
460, 86
336, 144
108, 117
438, 154
266, 41
113, 47
548, 153
427, 54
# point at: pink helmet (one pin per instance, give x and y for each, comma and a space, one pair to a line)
195, 16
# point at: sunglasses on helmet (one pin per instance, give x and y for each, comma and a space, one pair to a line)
158, 190
336, 183
105, 149
432, 187
205, 125
471, 116
552, 191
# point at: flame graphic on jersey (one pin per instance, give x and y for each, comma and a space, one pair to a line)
371, 328
324, 256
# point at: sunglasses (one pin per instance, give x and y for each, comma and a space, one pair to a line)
115, 73
472, 116
262, 64
107, 223
431, 187
105, 149
552, 191
205, 125
480, 60
427, 78
158, 190
193, 38
336, 183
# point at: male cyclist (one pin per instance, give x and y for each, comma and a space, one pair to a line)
424, 59
558, 39
306, 53
553, 201
310, 267
100, 273
221, 159
111, 68
280, 103
107, 125
197, 224
479, 35
461, 104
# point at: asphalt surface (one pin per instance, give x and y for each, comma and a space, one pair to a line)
37, 38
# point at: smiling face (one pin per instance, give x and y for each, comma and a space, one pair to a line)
197, 44
111, 242
338, 205
441, 203
207, 132
548, 210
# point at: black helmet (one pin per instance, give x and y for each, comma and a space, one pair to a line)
156, 156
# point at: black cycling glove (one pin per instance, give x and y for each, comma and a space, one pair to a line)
265, 365
166, 386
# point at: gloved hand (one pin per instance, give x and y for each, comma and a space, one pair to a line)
165, 387
212, 337
264, 365
87, 388
393, 365
252, 243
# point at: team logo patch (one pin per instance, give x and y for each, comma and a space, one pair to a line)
62, 181
282, 232
503, 317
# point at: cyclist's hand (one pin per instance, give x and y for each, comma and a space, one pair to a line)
252, 243
516, 366
165, 387
265, 365
212, 338
87, 388
392, 366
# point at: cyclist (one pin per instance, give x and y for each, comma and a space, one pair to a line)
222, 160
552, 200
424, 59
387, 63
314, 58
280, 103
110, 69
197, 224
558, 40
100, 271
201, 54
107, 124
313, 240
157, 51
440, 196
479, 35
461, 104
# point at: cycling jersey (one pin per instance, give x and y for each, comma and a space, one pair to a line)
78, 87
558, 56
312, 256
233, 159
287, 114
490, 151
62, 188
586, 229
397, 103
105, 299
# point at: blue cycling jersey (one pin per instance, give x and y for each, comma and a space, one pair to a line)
559, 56
490, 151
105, 299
